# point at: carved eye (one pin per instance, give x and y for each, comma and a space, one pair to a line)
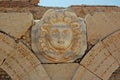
66, 31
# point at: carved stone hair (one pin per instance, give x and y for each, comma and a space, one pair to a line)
40, 42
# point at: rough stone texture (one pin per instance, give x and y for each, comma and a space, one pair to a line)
4, 0
63, 71
48, 39
19, 0
83, 10
83, 74
38, 11
102, 24
15, 24
112, 43
100, 62
18, 61
115, 75
15, 4
4, 75
34, 2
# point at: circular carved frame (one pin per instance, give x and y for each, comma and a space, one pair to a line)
41, 44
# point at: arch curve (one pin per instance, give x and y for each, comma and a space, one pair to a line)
101, 61
18, 61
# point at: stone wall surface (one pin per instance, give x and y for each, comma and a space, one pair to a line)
15, 24
38, 11
64, 71
103, 59
33, 2
14, 0
102, 56
18, 61
84, 74
90, 13
102, 24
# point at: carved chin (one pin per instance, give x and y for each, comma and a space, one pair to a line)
60, 47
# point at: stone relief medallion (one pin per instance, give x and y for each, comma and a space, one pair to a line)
60, 36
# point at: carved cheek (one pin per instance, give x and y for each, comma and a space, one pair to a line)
68, 35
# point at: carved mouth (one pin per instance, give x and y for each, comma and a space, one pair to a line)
61, 42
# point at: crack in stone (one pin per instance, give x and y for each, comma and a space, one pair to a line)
113, 43
100, 40
24, 41
16, 40
3, 61
7, 34
111, 54
110, 34
91, 72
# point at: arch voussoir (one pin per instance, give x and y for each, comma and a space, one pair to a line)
83, 73
103, 59
112, 43
18, 61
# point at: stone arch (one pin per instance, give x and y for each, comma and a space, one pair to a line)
102, 60
18, 61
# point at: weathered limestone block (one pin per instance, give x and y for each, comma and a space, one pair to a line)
36, 74
20, 0
5, 46
64, 71
83, 74
34, 1
15, 24
18, 61
112, 43
100, 62
4, 0
60, 36
101, 25
16, 0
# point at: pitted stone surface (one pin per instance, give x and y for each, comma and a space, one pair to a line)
18, 61
83, 74
15, 24
112, 43
100, 62
63, 71
103, 59
60, 36
101, 24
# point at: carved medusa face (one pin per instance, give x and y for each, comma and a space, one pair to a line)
60, 36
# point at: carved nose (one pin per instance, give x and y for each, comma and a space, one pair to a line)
61, 41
